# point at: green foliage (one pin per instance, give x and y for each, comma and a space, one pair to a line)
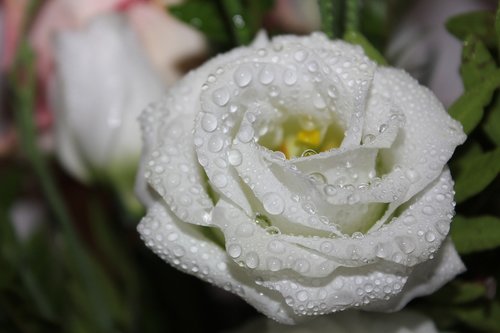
491, 126
469, 108
476, 173
357, 38
225, 23
477, 62
479, 24
476, 233
459, 292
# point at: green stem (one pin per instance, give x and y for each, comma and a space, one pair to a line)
352, 16
331, 17
233, 10
23, 83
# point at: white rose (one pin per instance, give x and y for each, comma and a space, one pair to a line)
350, 322
363, 223
101, 82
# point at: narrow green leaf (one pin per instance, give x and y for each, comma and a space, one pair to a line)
492, 124
459, 292
372, 53
478, 23
352, 15
476, 173
238, 21
204, 16
331, 17
469, 108
477, 62
475, 234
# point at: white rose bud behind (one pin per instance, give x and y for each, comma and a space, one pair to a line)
325, 174
102, 82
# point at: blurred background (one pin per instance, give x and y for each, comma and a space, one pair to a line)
74, 77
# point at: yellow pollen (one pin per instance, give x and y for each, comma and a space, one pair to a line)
311, 138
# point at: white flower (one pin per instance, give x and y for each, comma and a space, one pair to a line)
102, 81
350, 322
363, 223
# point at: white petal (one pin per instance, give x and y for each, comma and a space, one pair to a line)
103, 82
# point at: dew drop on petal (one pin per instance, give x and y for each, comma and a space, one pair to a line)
273, 203
234, 157
252, 260
220, 96
290, 77
273, 264
430, 236
246, 133
209, 122
234, 250
219, 180
443, 227
243, 76
266, 75
406, 244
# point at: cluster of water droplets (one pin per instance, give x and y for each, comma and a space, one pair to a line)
290, 224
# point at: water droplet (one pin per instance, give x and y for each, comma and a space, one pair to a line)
301, 266
276, 246
300, 55
219, 180
272, 230
246, 133
317, 178
173, 236
430, 236
215, 143
330, 190
381, 251
312, 66
368, 138
266, 75
252, 260
209, 122
234, 157
412, 175
234, 250
428, 210
262, 220
443, 227
406, 244
220, 96
308, 152
319, 102
326, 247
382, 128
243, 76
290, 77
274, 264
302, 295
273, 203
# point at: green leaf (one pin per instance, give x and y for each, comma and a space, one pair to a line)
372, 53
492, 124
475, 234
481, 319
476, 173
204, 16
469, 108
459, 292
477, 62
331, 18
352, 15
478, 23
